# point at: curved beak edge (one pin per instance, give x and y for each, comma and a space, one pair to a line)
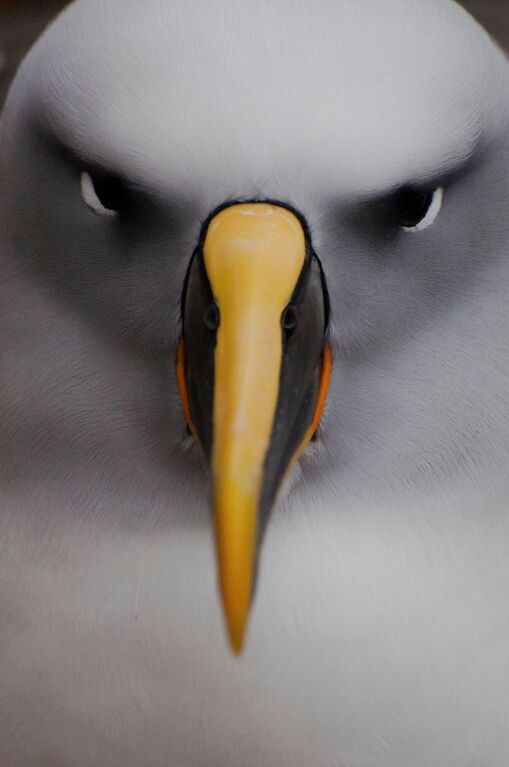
253, 371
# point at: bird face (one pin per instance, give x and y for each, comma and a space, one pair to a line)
223, 180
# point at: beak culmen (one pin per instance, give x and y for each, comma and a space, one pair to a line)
253, 369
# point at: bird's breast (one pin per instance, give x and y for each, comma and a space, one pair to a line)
377, 640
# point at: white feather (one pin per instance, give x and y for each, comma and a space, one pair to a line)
380, 631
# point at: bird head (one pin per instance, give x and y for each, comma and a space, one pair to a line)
256, 189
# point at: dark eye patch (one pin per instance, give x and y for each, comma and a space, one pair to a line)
111, 190
412, 205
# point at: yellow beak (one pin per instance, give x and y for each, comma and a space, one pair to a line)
253, 255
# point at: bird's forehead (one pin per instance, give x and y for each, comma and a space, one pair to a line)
360, 95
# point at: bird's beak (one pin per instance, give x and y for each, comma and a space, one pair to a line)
253, 370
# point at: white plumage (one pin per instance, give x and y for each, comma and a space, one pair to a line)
379, 636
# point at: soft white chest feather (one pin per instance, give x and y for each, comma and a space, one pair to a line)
377, 640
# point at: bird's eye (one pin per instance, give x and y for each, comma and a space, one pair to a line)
103, 194
418, 209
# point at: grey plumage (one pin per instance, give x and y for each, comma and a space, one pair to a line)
379, 635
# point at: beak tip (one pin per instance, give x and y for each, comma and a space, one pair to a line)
236, 618
236, 645
236, 630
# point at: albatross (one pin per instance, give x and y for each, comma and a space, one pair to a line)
254, 423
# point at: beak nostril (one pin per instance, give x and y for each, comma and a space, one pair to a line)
211, 318
289, 318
